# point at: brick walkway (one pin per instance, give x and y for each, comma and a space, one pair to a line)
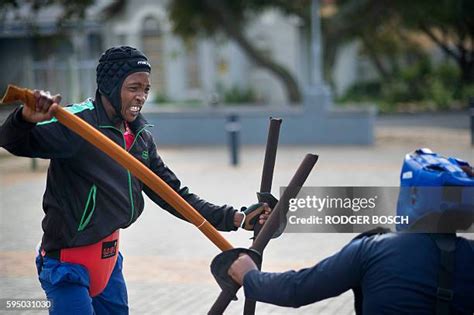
167, 261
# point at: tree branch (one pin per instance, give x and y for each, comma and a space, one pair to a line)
302, 12
224, 18
442, 45
374, 58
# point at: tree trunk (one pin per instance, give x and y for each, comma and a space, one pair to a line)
224, 18
466, 64
374, 58
467, 71
463, 56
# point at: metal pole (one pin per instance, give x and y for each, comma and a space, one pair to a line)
316, 51
34, 164
233, 128
471, 113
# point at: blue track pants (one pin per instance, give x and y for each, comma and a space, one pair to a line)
67, 287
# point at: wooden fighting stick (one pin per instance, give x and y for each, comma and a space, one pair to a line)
125, 159
270, 226
266, 185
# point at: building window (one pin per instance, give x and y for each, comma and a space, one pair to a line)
153, 47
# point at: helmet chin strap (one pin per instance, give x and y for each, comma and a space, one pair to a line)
117, 119
111, 110
115, 101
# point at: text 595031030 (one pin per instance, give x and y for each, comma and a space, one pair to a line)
24, 304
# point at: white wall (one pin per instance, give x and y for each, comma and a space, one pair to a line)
274, 31
280, 36
345, 67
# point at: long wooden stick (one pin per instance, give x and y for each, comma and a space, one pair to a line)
270, 155
125, 159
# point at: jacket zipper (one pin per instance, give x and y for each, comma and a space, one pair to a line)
138, 134
130, 190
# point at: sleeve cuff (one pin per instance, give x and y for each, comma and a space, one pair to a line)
248, 289
230, 221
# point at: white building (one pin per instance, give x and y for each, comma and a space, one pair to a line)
180, 71
64, 60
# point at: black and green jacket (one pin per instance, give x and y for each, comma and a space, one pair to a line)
88, 195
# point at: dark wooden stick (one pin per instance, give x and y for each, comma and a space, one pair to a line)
270, 155
266, 184
271, 225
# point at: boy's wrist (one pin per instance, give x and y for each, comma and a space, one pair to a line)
238, 218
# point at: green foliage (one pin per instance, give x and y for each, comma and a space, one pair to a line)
191, 18
413, 82
439, 93
362, 92
188, 18
448, 24
467, 93
161, 98
236, 95
418, 87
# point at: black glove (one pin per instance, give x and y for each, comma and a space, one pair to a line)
251, 215
221, 263
271, 201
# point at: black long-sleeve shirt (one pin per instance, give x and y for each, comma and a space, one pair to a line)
88, 195
396, 274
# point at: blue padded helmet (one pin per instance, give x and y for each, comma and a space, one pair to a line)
433, 184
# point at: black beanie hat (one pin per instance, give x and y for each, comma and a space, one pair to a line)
114, 66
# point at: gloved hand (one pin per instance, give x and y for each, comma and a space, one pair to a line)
258, 211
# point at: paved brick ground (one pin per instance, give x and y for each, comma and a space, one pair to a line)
167, 260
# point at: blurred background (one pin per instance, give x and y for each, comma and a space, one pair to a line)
338, 66
320, 64
359, 82
398, 55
